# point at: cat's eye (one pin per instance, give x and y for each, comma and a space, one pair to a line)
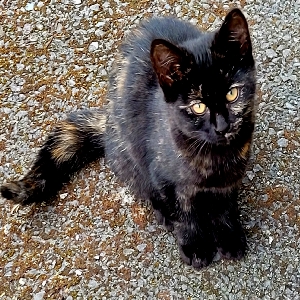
232, 94
198, 108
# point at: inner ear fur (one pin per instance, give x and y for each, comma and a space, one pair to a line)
170, 63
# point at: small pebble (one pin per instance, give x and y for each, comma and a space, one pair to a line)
141, 247
39, 296
271, 53
63, 196
29, 6
93, 46
282, 142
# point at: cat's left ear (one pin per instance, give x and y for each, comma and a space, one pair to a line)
233, 38
170, 63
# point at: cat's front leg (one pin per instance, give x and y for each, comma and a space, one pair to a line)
163, 220
229, 234
162, 212
164, 206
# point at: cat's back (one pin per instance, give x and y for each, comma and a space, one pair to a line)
168, 28
133, 57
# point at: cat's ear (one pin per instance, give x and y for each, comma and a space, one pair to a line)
170, 63
233, 38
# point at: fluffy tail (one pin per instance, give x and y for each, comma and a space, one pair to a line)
74, 143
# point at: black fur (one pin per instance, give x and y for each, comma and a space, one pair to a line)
189, 166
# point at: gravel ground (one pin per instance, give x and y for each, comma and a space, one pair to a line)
96, 242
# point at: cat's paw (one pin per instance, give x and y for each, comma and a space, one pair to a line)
233, 245
161, 220
198, 257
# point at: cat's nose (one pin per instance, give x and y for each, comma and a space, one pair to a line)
221, 125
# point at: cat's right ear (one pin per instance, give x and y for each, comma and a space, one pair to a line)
170, 64
233, 41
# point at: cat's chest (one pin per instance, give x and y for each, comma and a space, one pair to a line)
204, 172
217, 170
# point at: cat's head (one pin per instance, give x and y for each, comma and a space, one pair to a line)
209, 82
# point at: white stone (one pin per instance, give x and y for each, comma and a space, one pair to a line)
93, 284
103, 72
289, 106
63, 196
29, 6
2, 33
271, 53
282, 142
286, 52
95, 7
272, 131
15, 87
27, 28
39, 26
128, 251
7, 228
71, 82
270, 240
76, 1
141, 247
78, 272
178, 9
100, 24
33, 38
99, 32
20, 67
39, 296
59, 28
250, 175
93, 46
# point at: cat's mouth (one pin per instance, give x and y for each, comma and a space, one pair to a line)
224, 140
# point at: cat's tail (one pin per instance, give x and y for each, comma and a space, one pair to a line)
74, 143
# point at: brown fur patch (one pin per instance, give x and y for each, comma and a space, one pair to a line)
245, 150
97, 124
122, 75
66, 142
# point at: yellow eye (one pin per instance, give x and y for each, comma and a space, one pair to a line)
232, 94
198, 108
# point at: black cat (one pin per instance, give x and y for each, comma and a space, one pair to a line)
177, 129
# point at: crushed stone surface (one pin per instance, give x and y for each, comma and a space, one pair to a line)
96, 241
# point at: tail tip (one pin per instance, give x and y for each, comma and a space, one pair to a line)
11, 191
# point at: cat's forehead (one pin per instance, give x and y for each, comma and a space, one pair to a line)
209, 79
200, 48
